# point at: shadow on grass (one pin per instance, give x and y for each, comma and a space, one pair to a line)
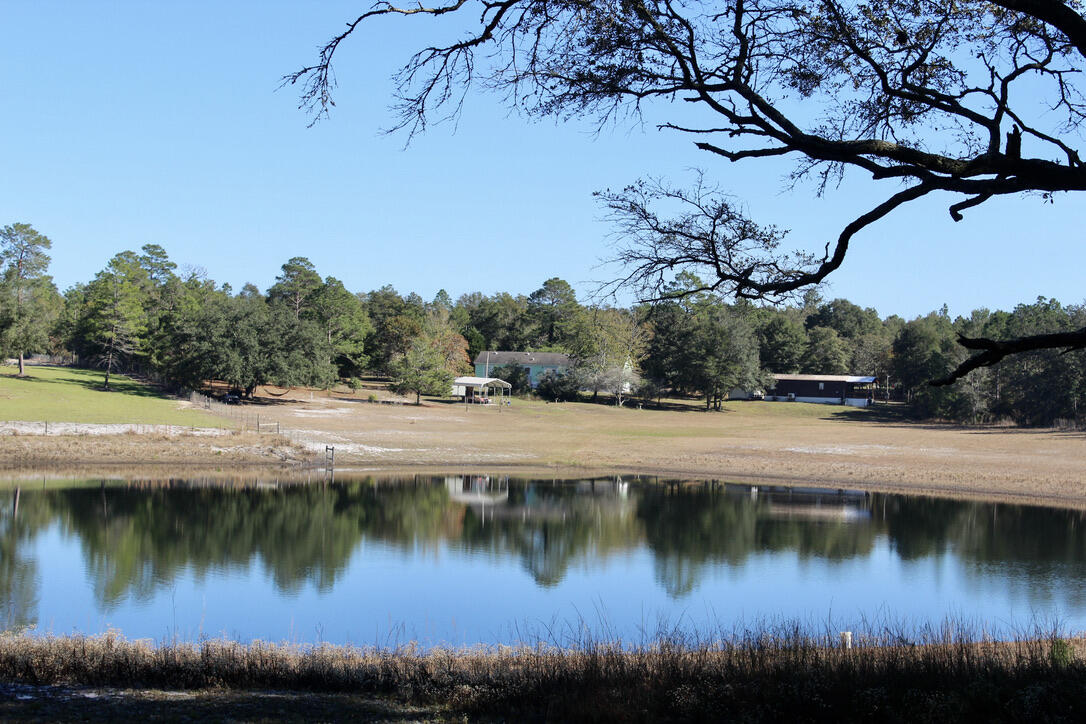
899, 415
262, 401
121, 386
876, 413
447, 402
679, 406
95, 382
24, 378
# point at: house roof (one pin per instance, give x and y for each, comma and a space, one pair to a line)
481, 382
826, 378
546, 359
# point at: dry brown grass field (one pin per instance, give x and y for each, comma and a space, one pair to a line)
780, 442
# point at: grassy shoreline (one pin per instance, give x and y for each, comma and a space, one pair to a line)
781, 674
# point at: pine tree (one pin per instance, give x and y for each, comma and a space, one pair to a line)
115, 320
28, 300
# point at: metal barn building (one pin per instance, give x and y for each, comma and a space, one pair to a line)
853, 390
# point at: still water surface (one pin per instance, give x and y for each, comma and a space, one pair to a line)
471, 559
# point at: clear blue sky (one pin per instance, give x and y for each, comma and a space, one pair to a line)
133, 122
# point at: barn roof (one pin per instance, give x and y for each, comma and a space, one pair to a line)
497, 359
827, 378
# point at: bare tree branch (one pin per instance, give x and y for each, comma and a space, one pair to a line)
1060, 15
973, 98
992, 351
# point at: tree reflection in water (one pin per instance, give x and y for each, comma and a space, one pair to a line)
18, 571
137, 538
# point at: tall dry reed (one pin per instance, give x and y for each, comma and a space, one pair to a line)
781, 673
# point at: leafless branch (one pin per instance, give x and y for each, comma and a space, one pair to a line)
992, 351
923, 93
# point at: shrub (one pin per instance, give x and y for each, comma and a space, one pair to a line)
1061, 653
560, 388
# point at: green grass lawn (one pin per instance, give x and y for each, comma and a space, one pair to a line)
66, 394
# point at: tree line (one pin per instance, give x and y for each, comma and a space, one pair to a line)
141, 314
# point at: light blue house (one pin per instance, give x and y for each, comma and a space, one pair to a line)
537, 363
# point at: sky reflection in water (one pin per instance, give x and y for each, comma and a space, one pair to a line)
465, 560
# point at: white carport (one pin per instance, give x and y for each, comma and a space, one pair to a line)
480, 390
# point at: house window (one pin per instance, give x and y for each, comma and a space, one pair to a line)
821, 386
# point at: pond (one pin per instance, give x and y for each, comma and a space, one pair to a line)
461, 560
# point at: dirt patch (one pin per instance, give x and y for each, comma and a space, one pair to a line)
90, 428
203, 447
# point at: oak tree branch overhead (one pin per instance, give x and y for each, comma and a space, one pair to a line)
972, 99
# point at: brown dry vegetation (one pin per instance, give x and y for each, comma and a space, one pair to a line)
135, 448
783, 675
759, 441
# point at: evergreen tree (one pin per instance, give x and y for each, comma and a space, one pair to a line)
344, 323
295, 284
924, 349
826, 353
395, 324
781, 344
423, 370
28, 300
248, 354
503, 322
552, 310
114, 321
724, 353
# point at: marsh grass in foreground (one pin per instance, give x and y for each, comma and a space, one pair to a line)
783, 674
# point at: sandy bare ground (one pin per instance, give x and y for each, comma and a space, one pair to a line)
82, 446
773, 442
758, 440
18, 427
